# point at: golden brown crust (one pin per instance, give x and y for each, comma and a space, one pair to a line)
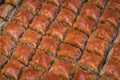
90, 61
30, 37
30, 74
23, 17
90, 11
22, 53
48, 44
5, 45
41, 60
39, 24
48, 11
14, 30
31, 5
75, 37
68, 51
12, 69
66, 16
57, 30
72, 5
84, 24
61, 68
82, 75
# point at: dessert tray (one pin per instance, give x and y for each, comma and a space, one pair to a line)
60, 40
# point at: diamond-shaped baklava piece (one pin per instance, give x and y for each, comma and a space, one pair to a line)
16, 3
57, 30
76, 38
110, 17
22, 53
112, 69
30, 74
3, 59
12, 69
48, 10
84, 24
55, 2
61, 69
14, 30
90, 60
7, 11
48, 44
49, 76
69, 52
90, 11
96, 45
104, 32
114, 4
81, 74
72, 5
99, 3
31, 5
41, 60
39, 24
30, 37
23, 17
66, 16
5, 45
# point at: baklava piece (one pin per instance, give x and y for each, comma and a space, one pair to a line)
15, 3
30, 37
48, 10
61, 69
110, 17
114, 54
112, 69
5, 45
49, 45
90, 60
91, 11
39, 24
31, 5
69, 52
104, 32
41, 60
55, 2
14, 30
7, 11
99, 3
49, 76
12, 69
84, 24
22, 53
81, 74
23, 17
66, 16
3, 59
76, 38
30, 74
97, 46
72, 5
114, 4
3, 77
57, 30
